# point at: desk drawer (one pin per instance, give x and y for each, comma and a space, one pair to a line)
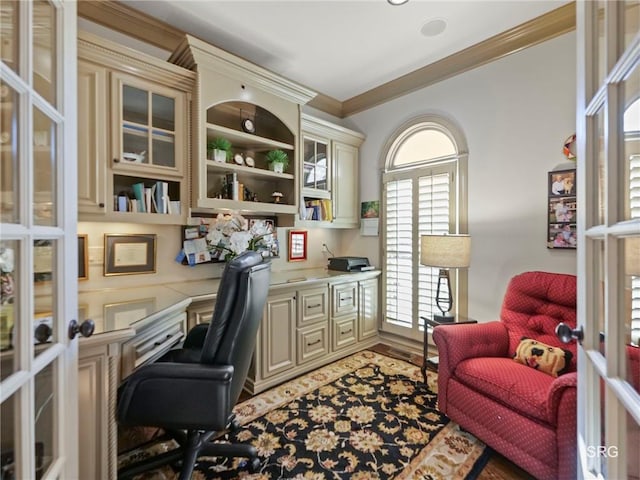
312, 342
153, 342
345, 298
344, 332
313, 304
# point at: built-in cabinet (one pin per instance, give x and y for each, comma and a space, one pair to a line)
103, 361
229, 91
330, 174
133, 135
305, 328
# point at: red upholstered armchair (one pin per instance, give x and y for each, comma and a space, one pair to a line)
526, 415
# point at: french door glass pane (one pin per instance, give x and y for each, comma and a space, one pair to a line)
600, 174
631, 260
9, 324
44, 419
598, 297
630, 190
599, 35
44, 278
631, 20
44, 50
9, 150
633, 440
8, 437
45, 161
9, 33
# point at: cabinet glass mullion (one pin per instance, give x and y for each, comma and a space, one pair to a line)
315, 165
148, 127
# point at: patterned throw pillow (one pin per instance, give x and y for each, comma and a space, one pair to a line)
552, 360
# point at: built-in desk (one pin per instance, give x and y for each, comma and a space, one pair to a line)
135, 326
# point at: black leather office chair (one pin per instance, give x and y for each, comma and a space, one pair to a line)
190, 392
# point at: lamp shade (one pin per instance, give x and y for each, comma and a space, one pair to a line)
445, 251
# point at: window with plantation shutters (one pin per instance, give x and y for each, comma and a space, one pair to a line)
421, 195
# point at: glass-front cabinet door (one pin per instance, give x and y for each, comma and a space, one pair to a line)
147, 134
315, 180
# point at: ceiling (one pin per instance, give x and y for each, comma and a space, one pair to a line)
343, 48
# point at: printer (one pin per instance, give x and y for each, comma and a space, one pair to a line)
350, 264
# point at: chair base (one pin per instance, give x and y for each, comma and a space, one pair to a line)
192, 446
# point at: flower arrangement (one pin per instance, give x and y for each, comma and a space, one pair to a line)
229, 235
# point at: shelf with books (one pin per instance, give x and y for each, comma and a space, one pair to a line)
146, 196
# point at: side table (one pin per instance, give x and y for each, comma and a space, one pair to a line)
432, 363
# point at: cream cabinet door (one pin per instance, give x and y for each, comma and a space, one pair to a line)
368, 309
277, 334
345, 185
92, 138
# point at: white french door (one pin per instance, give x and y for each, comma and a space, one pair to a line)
38, 243
608, 133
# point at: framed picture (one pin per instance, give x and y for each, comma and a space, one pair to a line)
297, 245
83, 257
42, 261
129, 254
561, 209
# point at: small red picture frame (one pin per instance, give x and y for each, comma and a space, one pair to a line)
297, 245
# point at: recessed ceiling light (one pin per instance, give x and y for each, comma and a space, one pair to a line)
433, 27
397, 2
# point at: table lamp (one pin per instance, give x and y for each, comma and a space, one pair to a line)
445, 252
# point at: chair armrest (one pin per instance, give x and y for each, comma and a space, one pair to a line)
195, 336
169, 395
562, 409
458, 342
557, 391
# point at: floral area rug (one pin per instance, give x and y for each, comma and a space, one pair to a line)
367, 416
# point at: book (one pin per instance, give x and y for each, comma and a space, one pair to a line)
138, 192
159, 195
147, 200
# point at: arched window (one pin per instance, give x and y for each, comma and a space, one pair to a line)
424, 191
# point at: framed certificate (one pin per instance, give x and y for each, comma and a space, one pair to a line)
129, 254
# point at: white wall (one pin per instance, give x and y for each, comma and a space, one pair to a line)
515, 113
168, 244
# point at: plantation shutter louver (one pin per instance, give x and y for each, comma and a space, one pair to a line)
399, 252
433, 218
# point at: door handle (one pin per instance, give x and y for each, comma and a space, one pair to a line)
85, 328
566, 334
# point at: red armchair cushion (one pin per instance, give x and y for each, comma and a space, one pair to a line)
523, 389
543, 357
534, 304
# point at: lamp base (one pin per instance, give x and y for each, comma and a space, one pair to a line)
444, 318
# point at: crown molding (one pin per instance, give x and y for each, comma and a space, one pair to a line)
550, 25
121, 18
129, 21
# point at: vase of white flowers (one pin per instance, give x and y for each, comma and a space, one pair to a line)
230, 235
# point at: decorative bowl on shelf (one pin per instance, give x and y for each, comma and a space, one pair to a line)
134, 157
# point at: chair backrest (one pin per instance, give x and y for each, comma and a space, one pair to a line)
231, 336
535, 303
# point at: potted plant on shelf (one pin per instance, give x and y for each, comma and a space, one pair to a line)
220, 149
278, 161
